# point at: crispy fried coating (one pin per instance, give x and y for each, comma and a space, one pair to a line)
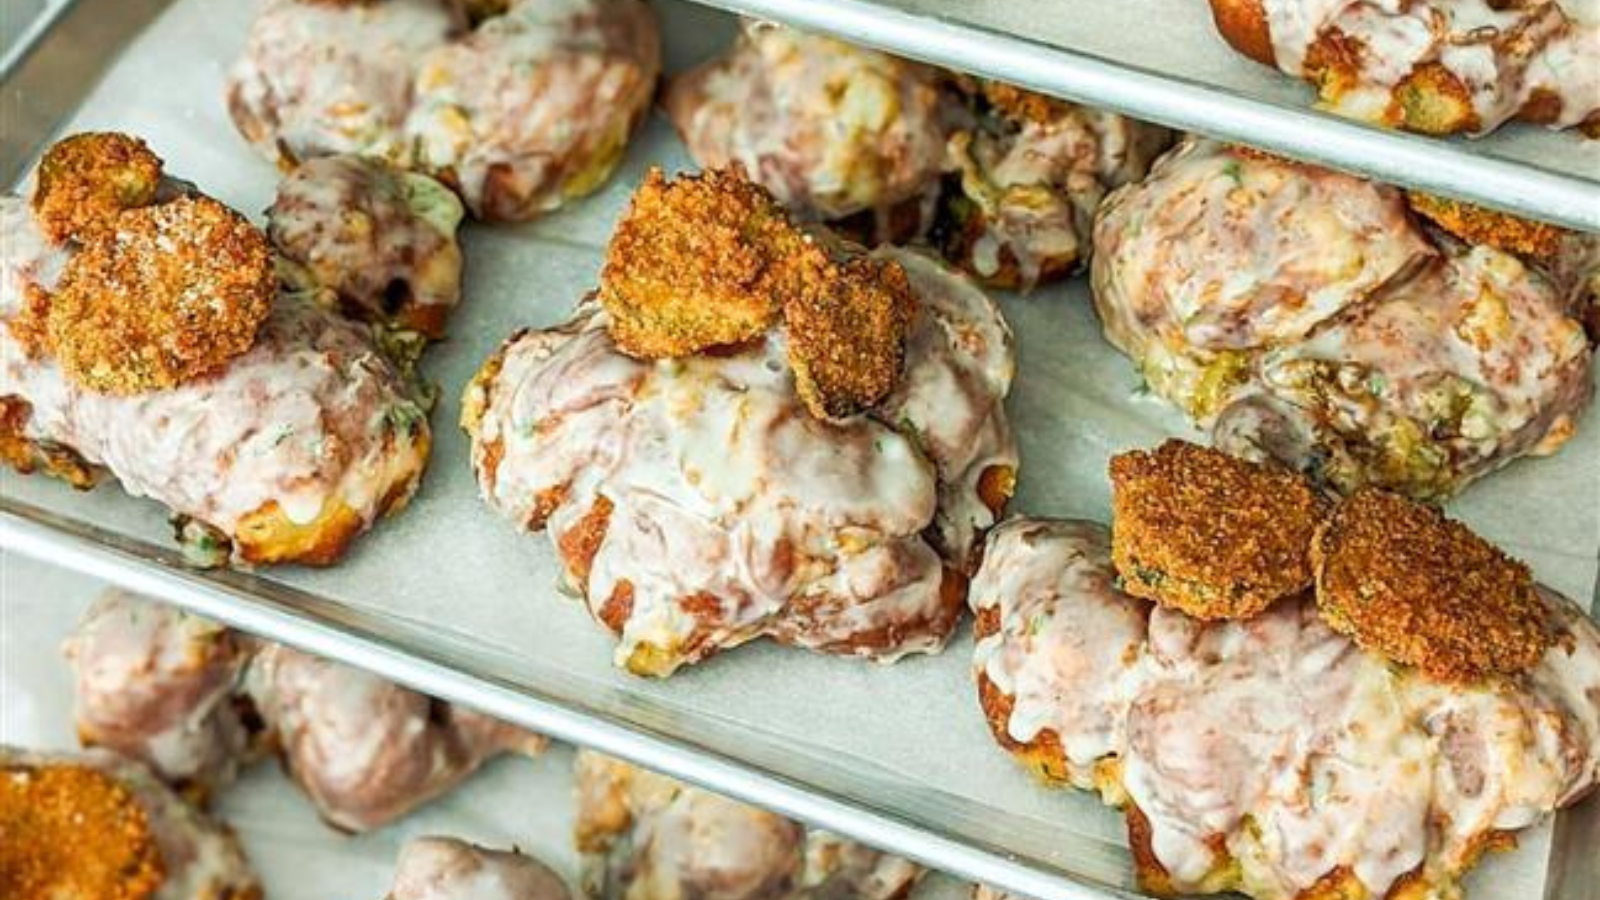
1477, 225
698, 262
168, 294
1023, 105
1210, 535
71, 832
847, 333
1404, 581
86, 179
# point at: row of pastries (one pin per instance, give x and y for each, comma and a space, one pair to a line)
781, 414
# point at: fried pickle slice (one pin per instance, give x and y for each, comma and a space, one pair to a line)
1479, 225
1210, 535
169, 293
701, 261
72, 832
1404, 581
84, 180
847, 334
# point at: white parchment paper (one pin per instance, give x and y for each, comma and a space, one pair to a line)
906, 739
527, 803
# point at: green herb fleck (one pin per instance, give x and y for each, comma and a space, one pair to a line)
1234, 171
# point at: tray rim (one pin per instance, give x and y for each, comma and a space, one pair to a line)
141, 566
1444, 166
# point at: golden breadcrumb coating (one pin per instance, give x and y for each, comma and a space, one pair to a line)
30, 325
71, 832
1404, 581
1022, 105
847, 335
1210, 535
1477, 225
167, 294
713, 260
86, 179
698, 262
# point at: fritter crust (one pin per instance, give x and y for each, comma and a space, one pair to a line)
84, 180
168, 294
698, 262
1404, 581
71, 832
1210, 535
1023, 105
1478, 225
847, 336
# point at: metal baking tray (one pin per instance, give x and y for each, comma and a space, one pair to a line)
1163, 61
527, 803
448, 598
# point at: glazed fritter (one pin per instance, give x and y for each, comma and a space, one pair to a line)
1406, 582
701, 261
1210, 535
71, 832
847, 336
1479, 225
169, 293
84, 180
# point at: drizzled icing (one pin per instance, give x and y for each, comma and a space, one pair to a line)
200, 858
441, 868
368, 233
1305, 316
334, 77
647, 837
1505, 55
732, 512
156, 684
366, 750
536, 105
830, 128
310, 415
1297, 751
531, 107
1037, 187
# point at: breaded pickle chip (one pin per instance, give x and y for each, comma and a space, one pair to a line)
167, 294
701, 261
1210, 535
86, 179
847, 335
1404, 581
72, 832
1480, 225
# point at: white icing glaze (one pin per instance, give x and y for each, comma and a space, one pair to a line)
310, 414
1068, 642
522, 111
1275, 738
830, 128
1305, 316
155, 683
201, 858
442, 868
361, 228
651, 838
531, 107
334, 77
1036, 185
1503, 54
366, 750
734, 513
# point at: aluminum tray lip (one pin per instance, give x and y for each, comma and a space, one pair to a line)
1442, 166
138, 566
